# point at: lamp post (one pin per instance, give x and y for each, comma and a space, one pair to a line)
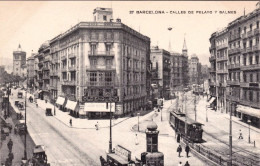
230, 138
161, 112
138, 114
206, 113
249, 121
25, 103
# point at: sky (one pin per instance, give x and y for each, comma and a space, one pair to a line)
31, 23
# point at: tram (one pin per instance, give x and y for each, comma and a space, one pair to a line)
194, 129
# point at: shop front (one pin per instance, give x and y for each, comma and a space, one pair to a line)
73, 108
98, 110
248, 113
61, 103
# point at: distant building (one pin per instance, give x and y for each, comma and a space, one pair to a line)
19, 62
30, 71
2, 69
161, 70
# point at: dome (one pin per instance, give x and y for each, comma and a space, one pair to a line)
152, 126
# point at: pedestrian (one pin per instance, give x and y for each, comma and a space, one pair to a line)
136, 140
187, 150
187, 163
11, 156
10, 145
178, 138
180, 163
96, 125
240, 135
179, 150
70, 122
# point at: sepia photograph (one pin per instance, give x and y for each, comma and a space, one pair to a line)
129, 83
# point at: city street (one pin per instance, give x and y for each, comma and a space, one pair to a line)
217, 136
72, 146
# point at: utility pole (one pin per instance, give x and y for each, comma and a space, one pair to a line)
230, 138
195, 107
185, 114
110, 131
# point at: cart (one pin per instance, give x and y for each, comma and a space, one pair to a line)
48, 112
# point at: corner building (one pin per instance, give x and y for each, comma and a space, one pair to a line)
102, 59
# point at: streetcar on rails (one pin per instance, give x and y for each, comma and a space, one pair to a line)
194, 129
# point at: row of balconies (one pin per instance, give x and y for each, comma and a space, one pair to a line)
104, 83
225, 45
222, 71
250, 103
101, 53
234, 37
70, 83
212, 58
223, 58
251, 67
234, 51
244, 84
234, 66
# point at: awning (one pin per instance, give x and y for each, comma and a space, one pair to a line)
71, 105
99, 107
60, 100
212, 99
248, 110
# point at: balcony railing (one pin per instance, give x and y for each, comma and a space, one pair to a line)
71, 68
250, 103
212, 58
256, 48
72, 55
46, 68
45, 77
96, 67
63, 69
243, 51
101, 53
223, 58
71, 83
91, 83
233, 98
233, 82
249, 49
244, 84
222, 71
225, 45
63, 57
256, 31
234, 66
234, 51
251, 67
249, 33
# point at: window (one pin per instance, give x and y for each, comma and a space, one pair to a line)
244, 61
257, 96
251, 77
105, 18
251, 95
93, 48
239, 30
73, 76
73, 62
108, 62
108, 77
244, 45
244, 77
251, 43
64, 75
251, 27
93, 62
251, 60
257, 59
257, 24
93, 77
245, 95
244, 29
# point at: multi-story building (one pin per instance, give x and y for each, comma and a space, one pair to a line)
212, 70
243, 65
43, 71
179, 71
19, 62
101, 60
2, 69
221, 68
30, 71
161, 70
195, 74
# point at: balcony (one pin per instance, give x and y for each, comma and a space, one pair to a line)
63, 57
55, 60
53, 87
225, 45
212, 84
72, 55
54, 73
212, 58
212, 47
234, 66
222, 71
69, 83
256, 48
243, 51
233, 98
244, 84
249, 34
249, 49
223, 58
100, 68
101, 53
250, 84
212, 70
98, 84
72, 68
249, 103
233, 82
46, 77
234, 51
243, 36
63, 69
256, 31
251, 67
46, 68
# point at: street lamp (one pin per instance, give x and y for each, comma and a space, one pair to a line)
138, 114
249, 121
25, 153
206, 113
161, 112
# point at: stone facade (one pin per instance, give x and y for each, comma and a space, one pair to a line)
19, 62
